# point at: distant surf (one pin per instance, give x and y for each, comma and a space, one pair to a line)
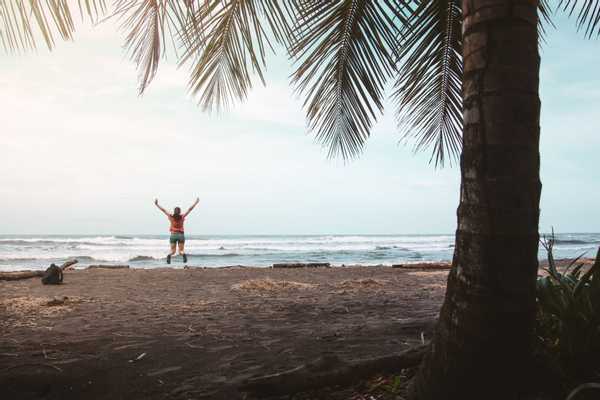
149, 251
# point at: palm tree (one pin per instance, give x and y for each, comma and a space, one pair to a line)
465, 77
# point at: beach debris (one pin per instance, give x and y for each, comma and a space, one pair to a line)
424, 266
108, 266
68, 265
53, 275
27, 274
17, 275
64, 362
271, 285
27, 310
138, 358
425, 272
57, 302
134, 345
164, 371
302, 265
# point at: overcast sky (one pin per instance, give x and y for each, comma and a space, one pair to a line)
82, 153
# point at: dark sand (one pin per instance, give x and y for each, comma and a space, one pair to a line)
200, 332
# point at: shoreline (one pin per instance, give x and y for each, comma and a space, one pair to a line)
543, 263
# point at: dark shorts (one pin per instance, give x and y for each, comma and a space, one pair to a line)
177, 237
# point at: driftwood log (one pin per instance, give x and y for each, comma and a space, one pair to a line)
108, 266
330, 370
68, 265
424, 266
18, 275
302, 265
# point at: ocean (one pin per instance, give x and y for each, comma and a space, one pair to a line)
18, 252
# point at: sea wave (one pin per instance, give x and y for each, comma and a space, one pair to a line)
48, 259
45, 242
215, 255
391, 248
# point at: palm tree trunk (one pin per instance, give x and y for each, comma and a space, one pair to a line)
483, 338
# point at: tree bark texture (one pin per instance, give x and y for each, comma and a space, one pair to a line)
483, 337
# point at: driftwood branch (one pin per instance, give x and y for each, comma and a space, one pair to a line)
330, 371
424, 266
67, 265
302, 265
108, 266
18, 275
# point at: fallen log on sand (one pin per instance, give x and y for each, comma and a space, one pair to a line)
108, 266
331, 371
302, 265
18, 275
424, 266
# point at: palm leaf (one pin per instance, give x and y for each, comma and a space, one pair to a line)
428, 90
588, 16
148, 23
227, 41
545, 11
23, 22
344, 49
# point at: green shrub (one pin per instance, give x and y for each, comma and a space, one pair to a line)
568, 323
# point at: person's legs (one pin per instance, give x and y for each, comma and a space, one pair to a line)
182, 250
173, 247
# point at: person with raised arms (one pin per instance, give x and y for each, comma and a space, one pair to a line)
177, 238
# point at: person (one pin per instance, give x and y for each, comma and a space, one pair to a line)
177, 238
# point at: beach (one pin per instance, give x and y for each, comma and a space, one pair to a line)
198, 333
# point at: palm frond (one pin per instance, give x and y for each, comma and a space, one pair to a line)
153, 25
345, 53
428, 90
588, 14
24, 22
145, 22
227, 41
545, 11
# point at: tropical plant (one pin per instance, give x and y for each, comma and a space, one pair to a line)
465, 77
568, 323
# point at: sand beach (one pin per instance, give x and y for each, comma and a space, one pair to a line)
199, 333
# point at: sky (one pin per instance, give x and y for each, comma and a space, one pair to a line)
82, 153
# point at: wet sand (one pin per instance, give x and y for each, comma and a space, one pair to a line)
198, 333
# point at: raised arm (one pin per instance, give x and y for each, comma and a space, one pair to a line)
191, 208
160, 208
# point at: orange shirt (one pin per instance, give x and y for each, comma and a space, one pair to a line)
176, 224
